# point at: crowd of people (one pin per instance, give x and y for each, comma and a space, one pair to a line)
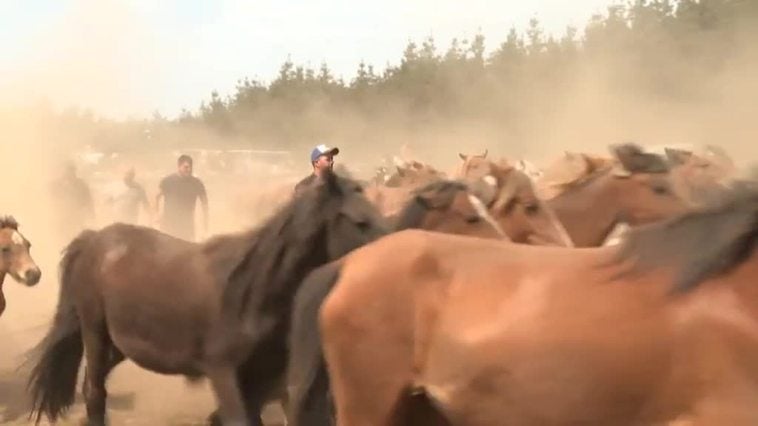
173, 209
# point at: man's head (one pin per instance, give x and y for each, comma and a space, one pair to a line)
184, 165
322, 157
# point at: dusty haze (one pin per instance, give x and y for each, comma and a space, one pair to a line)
594, 101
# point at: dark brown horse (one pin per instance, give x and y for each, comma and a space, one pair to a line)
214, 309
637, 190
662, 330
15, 259
443, 206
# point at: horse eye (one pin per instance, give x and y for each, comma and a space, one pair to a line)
532, 209
6, 249
660, 189
473, 219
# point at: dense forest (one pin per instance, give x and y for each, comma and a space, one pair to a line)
645, 69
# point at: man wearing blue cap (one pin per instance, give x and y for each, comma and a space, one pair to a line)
322, 159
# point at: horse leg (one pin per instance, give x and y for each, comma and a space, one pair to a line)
115, 358
96, 349
231, 411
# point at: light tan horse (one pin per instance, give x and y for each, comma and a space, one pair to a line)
635, 188
468, 332
15, 259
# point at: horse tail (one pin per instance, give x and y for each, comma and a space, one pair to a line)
418, 407
310, 402
52, 382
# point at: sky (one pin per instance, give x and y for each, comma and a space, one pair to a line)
130, 58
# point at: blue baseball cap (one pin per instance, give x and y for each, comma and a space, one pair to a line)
323, 150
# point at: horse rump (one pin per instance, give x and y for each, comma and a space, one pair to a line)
52, 381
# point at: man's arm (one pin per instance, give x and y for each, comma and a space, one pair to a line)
158, 196
204, 204
145, 204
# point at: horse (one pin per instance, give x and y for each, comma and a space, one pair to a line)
15, 258
211, 309
509, 199
391, 195
636, 190
660, 330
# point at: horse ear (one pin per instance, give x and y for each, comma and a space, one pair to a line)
486, 151
463, 156
400, 171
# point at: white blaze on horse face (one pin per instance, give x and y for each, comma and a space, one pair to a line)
490, 180
481, 210
17, 238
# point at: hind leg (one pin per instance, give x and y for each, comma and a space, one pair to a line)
97, 352
115, 358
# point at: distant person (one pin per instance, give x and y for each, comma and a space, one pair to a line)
75, 208
180, 192
322, 159
126, 199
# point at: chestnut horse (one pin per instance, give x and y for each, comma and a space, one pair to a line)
391, 196
15, 259
637, 190
510, 197
513, 201
209, 309
661, 330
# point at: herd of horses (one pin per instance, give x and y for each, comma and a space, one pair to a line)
487, 298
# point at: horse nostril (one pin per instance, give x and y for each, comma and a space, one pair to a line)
32, 276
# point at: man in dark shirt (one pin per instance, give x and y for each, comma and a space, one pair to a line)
180, 192
73, 203
322, 159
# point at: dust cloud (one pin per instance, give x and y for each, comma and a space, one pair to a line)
599, 100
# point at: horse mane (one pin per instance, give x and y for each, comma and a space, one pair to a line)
700, 244
442, 193
581, 181
8, 222
271, 258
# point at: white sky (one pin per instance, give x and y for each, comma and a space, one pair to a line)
132, 57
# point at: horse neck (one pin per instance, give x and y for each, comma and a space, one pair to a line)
588, 213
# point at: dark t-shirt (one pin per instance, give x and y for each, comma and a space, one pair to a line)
305, 183
180, 196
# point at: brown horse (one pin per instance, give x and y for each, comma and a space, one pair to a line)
662, 330
509, 195
443, 206
391, 196
512, 200
15, 258
637, 190
700, 177
174, 307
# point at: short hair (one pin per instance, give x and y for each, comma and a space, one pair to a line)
184, 158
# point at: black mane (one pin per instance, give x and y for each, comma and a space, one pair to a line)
700, 244
441, 192
281, 251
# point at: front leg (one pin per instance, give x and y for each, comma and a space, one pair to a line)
231, 411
